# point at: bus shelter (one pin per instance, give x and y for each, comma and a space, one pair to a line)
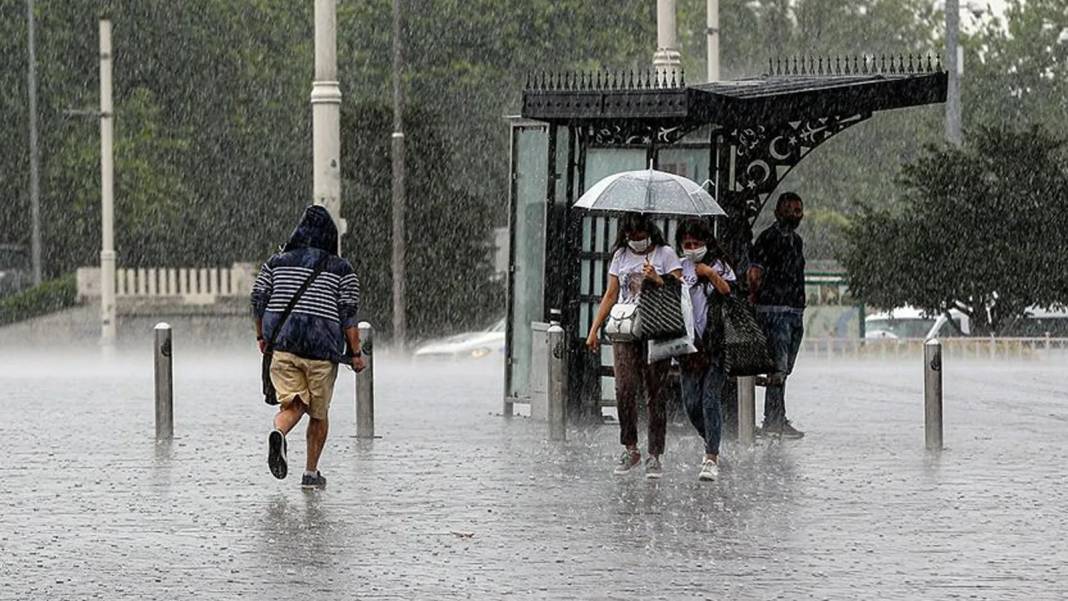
741, 136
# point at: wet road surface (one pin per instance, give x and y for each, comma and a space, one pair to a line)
455, 502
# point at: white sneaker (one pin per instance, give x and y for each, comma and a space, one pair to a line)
653, 469
628, 461
709, 471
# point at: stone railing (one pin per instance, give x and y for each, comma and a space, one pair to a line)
189, 285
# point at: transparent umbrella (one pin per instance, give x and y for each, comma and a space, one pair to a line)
649, 191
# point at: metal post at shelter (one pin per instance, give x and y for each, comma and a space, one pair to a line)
932, 394
164, 379
557, 384
326, 115
747, 410
365, 384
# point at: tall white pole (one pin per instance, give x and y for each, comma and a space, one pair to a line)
953, 106
667, 61
400, 318
326, 114
35, 189
713, 40
107, 191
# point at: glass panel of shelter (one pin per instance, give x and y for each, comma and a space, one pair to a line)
530, 151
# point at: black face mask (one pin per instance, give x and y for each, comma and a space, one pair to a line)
790, 223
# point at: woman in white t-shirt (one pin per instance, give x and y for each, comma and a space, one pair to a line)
640, 254
706, 272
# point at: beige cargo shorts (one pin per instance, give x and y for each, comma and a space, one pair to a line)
310, 379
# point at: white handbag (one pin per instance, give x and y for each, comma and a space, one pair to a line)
624, 323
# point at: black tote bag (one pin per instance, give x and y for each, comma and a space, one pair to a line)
743, 344
660, 309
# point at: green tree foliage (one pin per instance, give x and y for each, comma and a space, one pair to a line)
981, 228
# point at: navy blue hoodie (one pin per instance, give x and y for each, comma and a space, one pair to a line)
314, 330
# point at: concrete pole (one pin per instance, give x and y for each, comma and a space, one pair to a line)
108, 324
35, 188
667, 61
365, 385
953, 106
746, 410
400, 317
164, 375
326, 115
557, 388
932, 394
712, 14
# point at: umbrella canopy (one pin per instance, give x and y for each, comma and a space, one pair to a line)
649, 191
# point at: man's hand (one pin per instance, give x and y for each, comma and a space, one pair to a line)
358, 362
263, 346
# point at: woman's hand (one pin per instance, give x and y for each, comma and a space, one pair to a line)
706, 271
650, 274
593, 342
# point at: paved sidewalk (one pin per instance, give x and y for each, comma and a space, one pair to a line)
454, 502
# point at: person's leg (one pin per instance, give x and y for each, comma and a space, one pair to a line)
796, 326
628, 381
690, 379
289, 415
321, 377
778, 346
656, 375
714, 379
317, 431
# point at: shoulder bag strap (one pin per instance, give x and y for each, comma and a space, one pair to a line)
319, 267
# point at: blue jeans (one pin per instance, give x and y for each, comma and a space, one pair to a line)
784, 331
702, 383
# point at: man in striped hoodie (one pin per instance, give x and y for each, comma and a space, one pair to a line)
312, 340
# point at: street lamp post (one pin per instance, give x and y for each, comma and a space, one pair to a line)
326, 115
667, 61
953, 106
35, 189
712, 19
400, 321
107, 191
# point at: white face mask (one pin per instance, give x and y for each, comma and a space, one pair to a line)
639, 246
696, 254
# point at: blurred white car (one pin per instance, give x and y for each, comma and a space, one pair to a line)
908, 322
473, 345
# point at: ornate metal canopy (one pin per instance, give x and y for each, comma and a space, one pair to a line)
769, 123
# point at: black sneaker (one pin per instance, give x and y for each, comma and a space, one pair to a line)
790, 432
312, 482
783, 430
276, 454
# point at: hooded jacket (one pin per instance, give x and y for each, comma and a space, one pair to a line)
314, 330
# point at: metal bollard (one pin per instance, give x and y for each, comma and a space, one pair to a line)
164, 383
365, 385
932, 394
557, 385
747, 410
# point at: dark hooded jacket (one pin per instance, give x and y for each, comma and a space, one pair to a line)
314, 330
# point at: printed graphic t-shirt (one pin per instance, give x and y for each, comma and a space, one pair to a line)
627, 265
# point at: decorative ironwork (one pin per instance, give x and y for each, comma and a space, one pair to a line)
763, 155
637, 133
856, 65
605, 81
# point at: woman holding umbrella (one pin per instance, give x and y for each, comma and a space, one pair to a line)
640, 254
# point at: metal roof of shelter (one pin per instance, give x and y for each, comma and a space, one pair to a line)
808, 88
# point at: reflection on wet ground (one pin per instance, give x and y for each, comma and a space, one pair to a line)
456, 502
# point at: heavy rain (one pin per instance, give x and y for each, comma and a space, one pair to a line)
666, 299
